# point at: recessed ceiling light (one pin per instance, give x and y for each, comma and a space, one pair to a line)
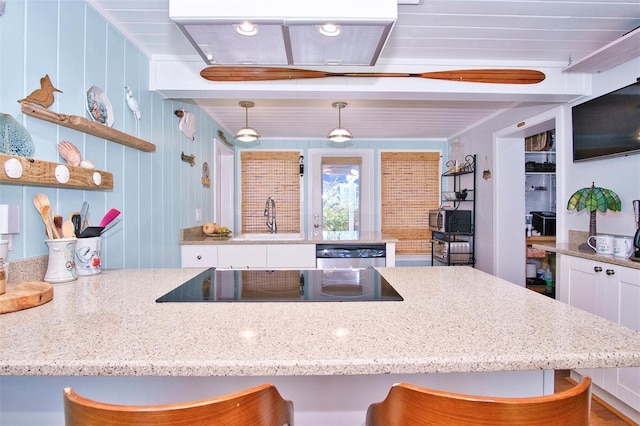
247, 29
329, 30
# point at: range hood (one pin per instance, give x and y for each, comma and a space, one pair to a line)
287, 32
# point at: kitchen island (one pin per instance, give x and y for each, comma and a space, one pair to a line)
457, 329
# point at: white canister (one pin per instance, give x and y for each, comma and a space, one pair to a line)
603, 243
531, 270
4, 250
87, 255
623, 247
61, 266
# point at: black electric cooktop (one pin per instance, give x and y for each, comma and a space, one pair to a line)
306, 285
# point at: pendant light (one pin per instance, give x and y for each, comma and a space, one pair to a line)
339, 134
247, 134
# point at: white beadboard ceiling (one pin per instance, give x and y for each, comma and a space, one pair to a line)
484, 33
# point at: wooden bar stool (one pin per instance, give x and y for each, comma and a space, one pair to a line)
409, 405
258, 406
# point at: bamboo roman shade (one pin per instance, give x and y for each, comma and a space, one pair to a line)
409, 189
273, 174
341, 160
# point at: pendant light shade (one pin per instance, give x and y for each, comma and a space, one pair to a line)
339, 134
247, 134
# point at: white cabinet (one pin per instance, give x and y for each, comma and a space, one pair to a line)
628, 380
612, 292
594, 287
301, 256
205, 256
242, 256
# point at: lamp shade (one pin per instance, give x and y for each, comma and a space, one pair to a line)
247, 134
340, 134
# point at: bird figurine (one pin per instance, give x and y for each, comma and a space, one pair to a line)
187, 124
133, 106
44, 95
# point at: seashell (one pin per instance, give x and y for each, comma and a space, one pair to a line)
14, 138
87, 164
70, 153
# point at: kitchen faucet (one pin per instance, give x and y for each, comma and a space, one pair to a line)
270, 213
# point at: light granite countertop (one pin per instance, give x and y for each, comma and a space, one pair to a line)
452, 319
195, 236
574, 249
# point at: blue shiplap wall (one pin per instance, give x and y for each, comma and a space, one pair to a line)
156, 192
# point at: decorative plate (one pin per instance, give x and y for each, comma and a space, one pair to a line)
99, 107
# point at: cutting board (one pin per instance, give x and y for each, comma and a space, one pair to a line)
24, 295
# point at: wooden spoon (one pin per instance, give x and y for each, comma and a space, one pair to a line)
48, 224
57, 222
52, 222
68, 230
41, 201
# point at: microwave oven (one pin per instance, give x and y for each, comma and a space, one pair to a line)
450, 220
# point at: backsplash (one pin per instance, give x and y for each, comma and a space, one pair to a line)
32, 269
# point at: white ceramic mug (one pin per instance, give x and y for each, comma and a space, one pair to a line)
623, 247
603, 243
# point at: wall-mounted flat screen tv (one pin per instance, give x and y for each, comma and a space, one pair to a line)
608, 125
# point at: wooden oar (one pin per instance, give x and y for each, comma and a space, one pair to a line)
250, 73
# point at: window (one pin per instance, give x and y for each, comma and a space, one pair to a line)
409, 189
274, 174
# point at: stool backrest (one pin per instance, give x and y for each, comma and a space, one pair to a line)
410, 405
258, 406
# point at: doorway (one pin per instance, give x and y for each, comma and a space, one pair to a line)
340, 194
223, 184
509, 248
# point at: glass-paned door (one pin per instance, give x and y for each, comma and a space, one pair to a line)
340, 195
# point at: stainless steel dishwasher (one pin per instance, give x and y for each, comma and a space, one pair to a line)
350, 255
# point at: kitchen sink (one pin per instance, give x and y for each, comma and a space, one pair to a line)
268, 237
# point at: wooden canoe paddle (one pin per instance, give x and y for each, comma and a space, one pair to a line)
251, 73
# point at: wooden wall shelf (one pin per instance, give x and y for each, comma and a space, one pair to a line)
45, 173
81, 124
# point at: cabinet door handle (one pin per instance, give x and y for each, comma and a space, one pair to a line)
610, 272
597, 268
199, 257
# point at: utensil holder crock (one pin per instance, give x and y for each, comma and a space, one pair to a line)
87, 256
61, 266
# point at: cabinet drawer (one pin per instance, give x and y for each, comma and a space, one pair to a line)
291, 256
199, 256
242, 256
